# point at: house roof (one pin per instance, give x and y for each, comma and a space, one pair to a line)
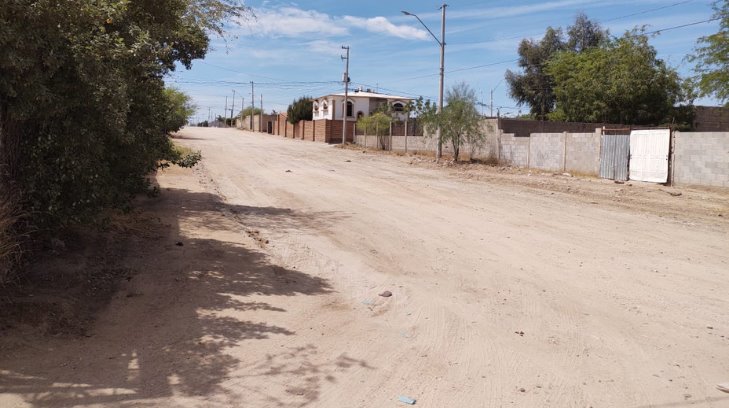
365, 94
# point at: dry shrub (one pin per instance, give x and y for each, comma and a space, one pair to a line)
10, 240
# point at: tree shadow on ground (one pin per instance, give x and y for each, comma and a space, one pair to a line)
169, 329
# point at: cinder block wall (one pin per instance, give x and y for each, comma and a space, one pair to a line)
701, 158
547, 151
514, 151
583, 152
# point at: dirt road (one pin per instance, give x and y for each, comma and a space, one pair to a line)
503, 294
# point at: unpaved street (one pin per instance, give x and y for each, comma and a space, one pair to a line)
502, 294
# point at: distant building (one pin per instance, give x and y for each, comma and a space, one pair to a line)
360, 103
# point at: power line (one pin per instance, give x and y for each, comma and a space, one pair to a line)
647, 11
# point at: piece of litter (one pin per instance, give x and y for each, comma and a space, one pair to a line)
368, 302
723, 387
179, 243
406, 400
288, 171
386, 293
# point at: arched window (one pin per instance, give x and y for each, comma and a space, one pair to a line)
350, 109
325, 107
398, 107
316, 108
360, 114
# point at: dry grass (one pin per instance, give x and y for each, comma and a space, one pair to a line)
10, 240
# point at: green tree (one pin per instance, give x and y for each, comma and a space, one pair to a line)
712, 57
179, 109
84, 114
534, 87
300, 109
620, 82
459, 120
378, 123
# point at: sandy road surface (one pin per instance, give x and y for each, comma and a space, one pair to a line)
502, 295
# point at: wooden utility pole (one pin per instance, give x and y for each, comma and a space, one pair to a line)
232, 108
346, 96
260, 117
253, 105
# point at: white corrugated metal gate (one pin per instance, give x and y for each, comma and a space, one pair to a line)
649, 155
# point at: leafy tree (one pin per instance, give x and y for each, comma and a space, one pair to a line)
712, 57
620, 82
534, 87
180, 108
378, 123
247, 111
301, 109
84, 114
585, 34
459, 120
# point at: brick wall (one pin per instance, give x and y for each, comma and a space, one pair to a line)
335, 131
701, 158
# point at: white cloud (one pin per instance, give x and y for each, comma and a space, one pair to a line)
293, 22
325, 47
382, 25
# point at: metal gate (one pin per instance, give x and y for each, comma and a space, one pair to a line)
649, 155
614, 154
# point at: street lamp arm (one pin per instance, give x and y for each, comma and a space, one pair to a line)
426, 27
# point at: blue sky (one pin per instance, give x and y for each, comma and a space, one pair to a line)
292, 49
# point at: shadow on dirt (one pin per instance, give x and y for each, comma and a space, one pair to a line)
170, 326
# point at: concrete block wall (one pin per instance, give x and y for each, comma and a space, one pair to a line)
513, 151
583, 152
546, 151
701, 158
410, 144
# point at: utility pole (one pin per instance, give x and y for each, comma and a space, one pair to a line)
260, 117
442, 76
225, 112
346, 95
210, 115
253, 105
242, 104
232, 107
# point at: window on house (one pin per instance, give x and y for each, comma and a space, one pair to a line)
350, 109
398, 107
325, 107
360, 114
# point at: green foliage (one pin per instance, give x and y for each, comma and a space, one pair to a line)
84, 113
179, 109
300, 109
712, 57
377, 124
249, 110
459, 122
10, 238
619, 82
534, 87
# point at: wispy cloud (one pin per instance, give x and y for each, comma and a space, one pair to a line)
382, 25
325, 47
293, 22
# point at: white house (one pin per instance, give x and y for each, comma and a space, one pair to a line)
360, 103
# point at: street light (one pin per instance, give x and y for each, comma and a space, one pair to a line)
442, 44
